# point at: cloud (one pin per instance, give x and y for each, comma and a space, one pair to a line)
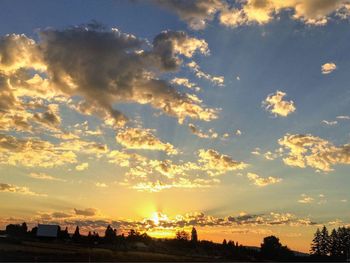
60, 215
9, 188
118, 67
157, 175
49, 118
343, 117
275, 104
247, 12
137, 138
33, 153
220, 163
82, 167
240, 222
151, 175
199, 219
260, 181
85, 212
328, 68
217, 80
198, 132
270, 156
185, 82
306, 199
256, 151
101, 185
308, 150
44, 176
329, 123
195, 13
261, 12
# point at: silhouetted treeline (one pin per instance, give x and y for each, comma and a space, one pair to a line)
187, 244
333, 246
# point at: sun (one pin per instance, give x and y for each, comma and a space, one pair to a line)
158, 217
155, 218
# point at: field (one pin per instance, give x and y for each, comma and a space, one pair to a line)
40, 251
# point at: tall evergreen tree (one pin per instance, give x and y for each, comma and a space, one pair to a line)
194, 236
316, 243
324, 245
344, 239
334, 246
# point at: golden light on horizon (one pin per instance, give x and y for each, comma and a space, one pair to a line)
157, 217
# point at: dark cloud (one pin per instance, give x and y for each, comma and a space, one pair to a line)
195, 12
101, 66
85, 212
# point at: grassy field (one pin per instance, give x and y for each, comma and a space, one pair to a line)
40, 251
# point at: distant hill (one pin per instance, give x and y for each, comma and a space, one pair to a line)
296, 253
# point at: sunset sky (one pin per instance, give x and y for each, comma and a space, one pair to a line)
230, 116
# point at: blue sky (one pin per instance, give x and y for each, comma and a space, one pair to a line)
256, 59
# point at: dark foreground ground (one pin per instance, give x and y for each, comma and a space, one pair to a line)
55, 252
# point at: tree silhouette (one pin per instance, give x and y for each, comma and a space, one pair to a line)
316, 243
182, 235
336, 245
324, 243
76, 236
110, 234
194, 237
271, 248
24, 227
344, 241
17, 230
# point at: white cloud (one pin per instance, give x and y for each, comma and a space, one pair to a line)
329, 123
343, 117
305, 199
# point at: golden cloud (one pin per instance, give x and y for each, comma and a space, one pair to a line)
260, 181
217, 80
275, 104
315, 12
137, 138
9, 188
308, 150
44, 176
247, 12
328, 68
220, 163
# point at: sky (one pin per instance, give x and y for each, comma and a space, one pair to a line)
230, 116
